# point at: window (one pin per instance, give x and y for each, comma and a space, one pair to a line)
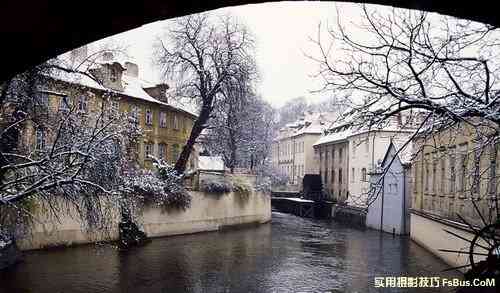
363, 174
463, 169
333, 175
175, 152
176, 123
163, 119
340, 176
326, 159
43, 99
149, 117
415, 177
340, 155
434, 171
82, 104
453, 175
40, 139
162, 151
442, 181
135, 113
427, 173
493, 164
113, 76
115, 107
65, 103
352, 176
148, 150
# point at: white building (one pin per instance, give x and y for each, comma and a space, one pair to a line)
390, 193
346, 155
292, 151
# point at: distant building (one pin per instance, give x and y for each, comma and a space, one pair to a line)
390, 192
292, 152
346, 154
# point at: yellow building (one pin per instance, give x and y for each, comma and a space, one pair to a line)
166, 125
454, 167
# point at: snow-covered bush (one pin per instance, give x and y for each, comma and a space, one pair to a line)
241, 187
268, 177
162, 187
217, 186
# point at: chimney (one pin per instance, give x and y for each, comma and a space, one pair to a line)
107, 56
131, 69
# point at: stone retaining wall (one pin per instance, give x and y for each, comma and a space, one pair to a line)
208, 212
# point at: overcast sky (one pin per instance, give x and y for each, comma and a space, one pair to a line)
281, 30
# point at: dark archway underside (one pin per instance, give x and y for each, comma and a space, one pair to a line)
34, 31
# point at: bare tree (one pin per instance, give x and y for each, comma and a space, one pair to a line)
72, 155
206, 57
396, 60
413, 60
241, 132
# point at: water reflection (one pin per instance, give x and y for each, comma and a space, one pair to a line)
290, 255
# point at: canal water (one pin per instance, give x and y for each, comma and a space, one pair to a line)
290, 254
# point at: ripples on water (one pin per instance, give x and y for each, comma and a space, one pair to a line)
290, 255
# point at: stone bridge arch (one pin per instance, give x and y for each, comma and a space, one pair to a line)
34, 31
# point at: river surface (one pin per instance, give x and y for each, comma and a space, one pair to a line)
290, 254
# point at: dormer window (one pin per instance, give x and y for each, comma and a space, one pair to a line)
113, 75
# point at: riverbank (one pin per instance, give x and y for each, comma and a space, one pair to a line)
208, 212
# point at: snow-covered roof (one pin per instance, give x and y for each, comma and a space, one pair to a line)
341, 130
211, 163
132, 87
310, 123
333, 137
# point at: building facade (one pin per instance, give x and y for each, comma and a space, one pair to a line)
115, 88
455, 172
454, 167
292, 151
390, 190
347, 154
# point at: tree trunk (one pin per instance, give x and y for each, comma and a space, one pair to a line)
199, 125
